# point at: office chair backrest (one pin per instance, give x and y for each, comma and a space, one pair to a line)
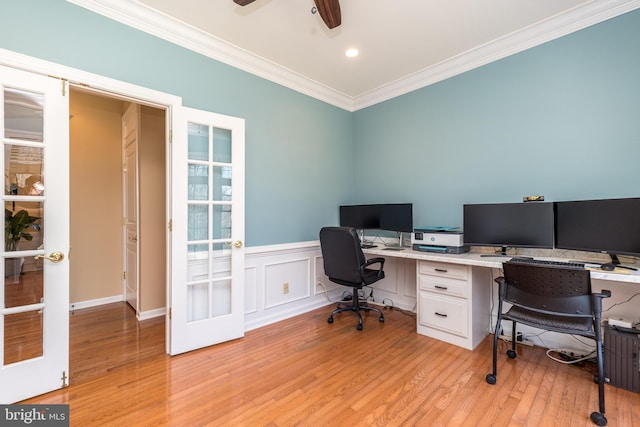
556, 290
341, 253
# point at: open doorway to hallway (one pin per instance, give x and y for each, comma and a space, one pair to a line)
99, 264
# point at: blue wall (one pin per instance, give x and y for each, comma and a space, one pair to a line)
560, 120
298, 149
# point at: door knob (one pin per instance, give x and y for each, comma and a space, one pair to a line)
55, 256
133, 238
236, 244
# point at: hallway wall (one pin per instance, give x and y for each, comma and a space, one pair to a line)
95, 260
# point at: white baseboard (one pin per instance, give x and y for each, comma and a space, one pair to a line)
150, 314
95, 302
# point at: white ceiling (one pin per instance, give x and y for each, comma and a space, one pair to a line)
403, 44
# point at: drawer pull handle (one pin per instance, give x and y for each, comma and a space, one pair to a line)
440, 314
444, 288
441, 270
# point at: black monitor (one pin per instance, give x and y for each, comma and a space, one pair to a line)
361, 217
396, 217
516, 225
609, 226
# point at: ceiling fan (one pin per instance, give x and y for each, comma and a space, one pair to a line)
329, 10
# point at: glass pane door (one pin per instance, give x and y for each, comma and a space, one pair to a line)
209, 192
207, 289
34, 297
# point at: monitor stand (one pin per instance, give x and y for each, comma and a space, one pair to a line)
363, 244
616, 261
502, 253
396, 246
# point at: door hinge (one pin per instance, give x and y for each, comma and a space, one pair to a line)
124, 275
64, 87
64, 379
170, 225
170, 136
170, 313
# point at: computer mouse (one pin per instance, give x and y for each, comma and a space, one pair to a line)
607, 267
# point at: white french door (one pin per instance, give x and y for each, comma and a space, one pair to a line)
130, 135
34, 298
207, 239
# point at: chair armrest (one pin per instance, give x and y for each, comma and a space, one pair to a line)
596, 301
604, 294
502, 289
374, 261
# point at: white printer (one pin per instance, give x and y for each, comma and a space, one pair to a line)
447, 240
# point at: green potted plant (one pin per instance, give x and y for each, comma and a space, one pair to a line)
16, 227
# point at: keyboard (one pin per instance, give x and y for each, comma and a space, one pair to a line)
533, 261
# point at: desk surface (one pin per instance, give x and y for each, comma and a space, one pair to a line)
476, 259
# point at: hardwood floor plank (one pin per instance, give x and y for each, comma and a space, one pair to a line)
306, 372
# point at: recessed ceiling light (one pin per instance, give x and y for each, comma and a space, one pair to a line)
352, 53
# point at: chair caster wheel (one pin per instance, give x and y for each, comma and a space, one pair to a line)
381, 319
491, 379
330, 320
598, 418
359, 327
512, 354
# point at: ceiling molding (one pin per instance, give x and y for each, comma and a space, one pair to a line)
518, 41
150, 21
163, 26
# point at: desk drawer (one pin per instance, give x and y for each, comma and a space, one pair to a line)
445, 313
443, 285
442, 269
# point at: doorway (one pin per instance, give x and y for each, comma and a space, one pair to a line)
98, 260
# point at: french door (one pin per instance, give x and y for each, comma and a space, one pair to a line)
34, 297
130, 136
207, 239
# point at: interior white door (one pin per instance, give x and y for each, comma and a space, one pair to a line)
207, 267
130, 132
34, 299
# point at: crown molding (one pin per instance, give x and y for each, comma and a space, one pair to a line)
145, 19
555, 27
150, 21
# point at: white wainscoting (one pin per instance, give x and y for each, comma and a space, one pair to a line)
297, 267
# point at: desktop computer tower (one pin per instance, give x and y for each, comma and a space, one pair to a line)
621, 353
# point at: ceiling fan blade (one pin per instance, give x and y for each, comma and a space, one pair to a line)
243, 2
329, 11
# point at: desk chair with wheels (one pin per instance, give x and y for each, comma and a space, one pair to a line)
345, 264
553, 298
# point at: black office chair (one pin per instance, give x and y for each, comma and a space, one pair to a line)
345, 264
553, 298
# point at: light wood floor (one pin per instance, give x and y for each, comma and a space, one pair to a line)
305, 372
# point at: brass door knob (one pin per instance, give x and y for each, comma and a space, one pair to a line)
55, 256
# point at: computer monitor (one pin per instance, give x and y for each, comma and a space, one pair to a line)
609, 226
360, 217
515, 225
396, 217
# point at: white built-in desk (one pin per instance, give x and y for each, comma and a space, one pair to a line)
454, 291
